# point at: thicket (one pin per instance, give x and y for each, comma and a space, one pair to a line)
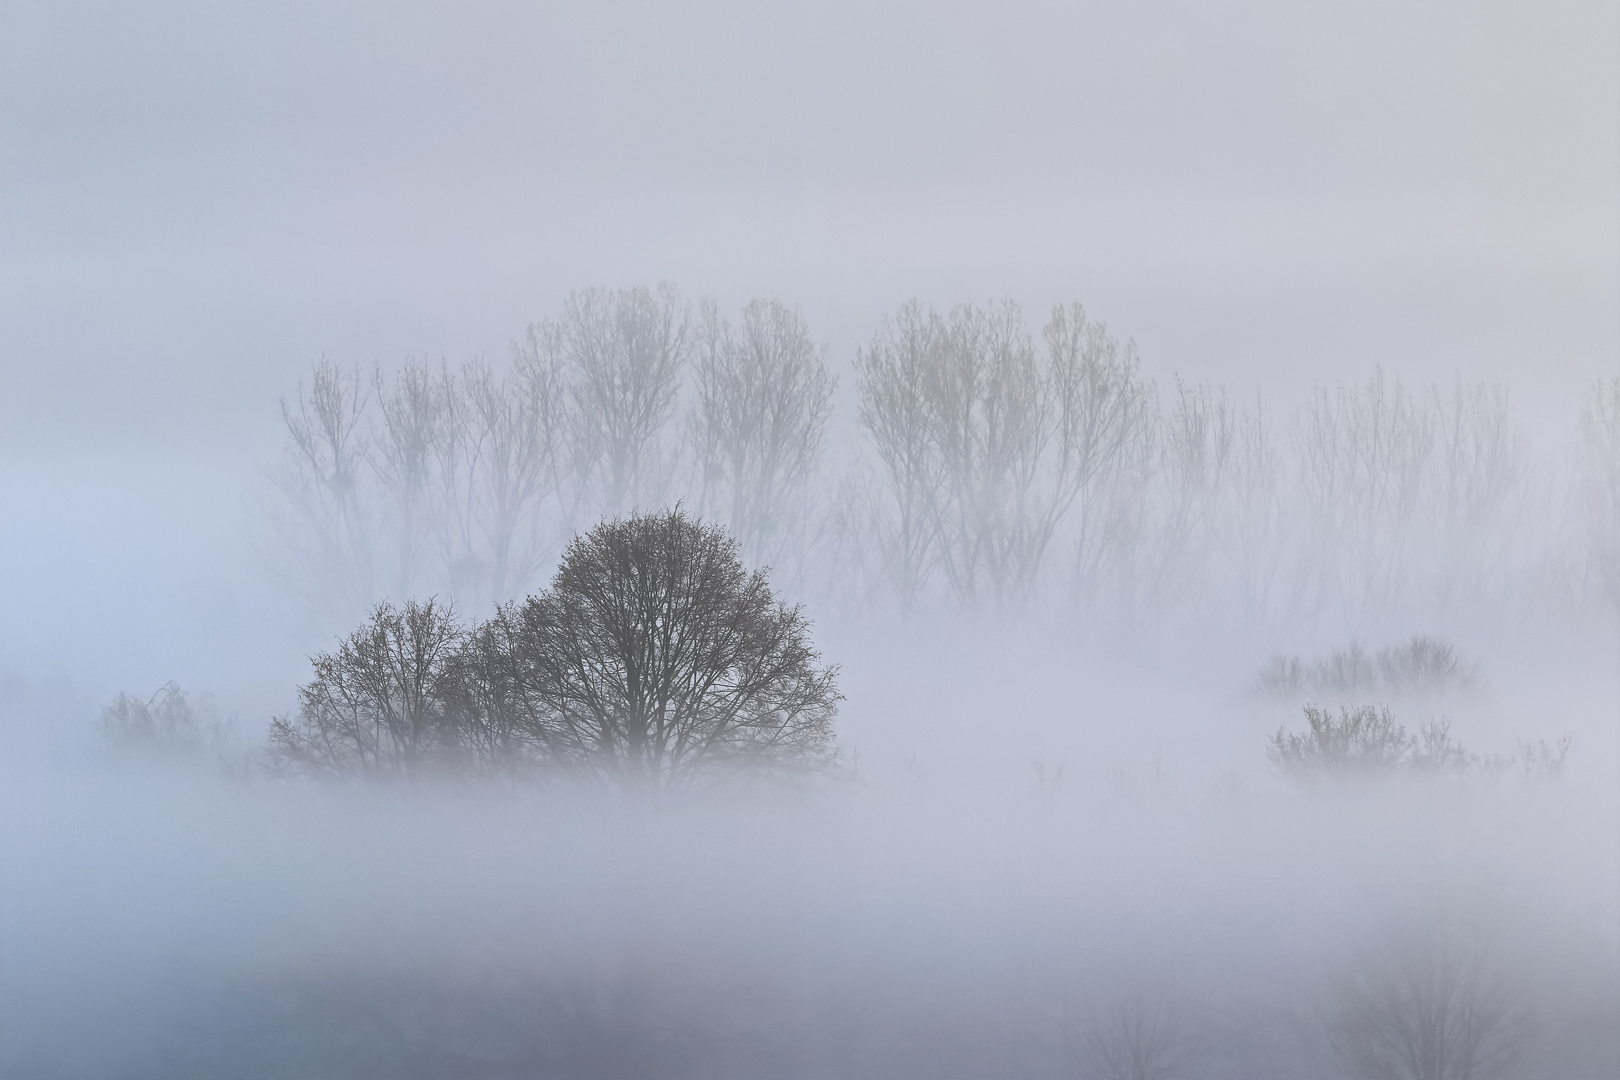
1423, 666
1367, 741
168, 724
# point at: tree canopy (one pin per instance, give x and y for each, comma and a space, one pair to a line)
655, 659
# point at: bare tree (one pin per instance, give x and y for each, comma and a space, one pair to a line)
657, 660
1182, 472
986, 448
1433, 1008
991, 424
764, 396
621, 354
1599, 493
1142, 1035
1480, 472
377, 706
402, 457
1110, 421
170, 722
320, 481
894, 411
1363, 455
518, 427
1255, 531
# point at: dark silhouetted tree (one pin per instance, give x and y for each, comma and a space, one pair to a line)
377, 706
656, 660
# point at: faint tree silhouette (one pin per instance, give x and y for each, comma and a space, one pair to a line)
1435, 1007
763, 398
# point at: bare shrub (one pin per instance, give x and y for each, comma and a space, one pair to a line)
1434, 751
1422, 667
169, 722
1364, 741
1282, 677
1346, 672
1538, 759
1361, 741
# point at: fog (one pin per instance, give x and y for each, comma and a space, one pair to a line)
1338, 427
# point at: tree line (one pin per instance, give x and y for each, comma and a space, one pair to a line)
996, 470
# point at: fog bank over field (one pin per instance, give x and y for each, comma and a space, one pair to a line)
1190, 433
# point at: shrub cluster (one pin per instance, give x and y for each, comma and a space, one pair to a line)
1422, 667
1366, 741
169, 723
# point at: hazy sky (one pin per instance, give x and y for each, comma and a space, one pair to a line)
197, 201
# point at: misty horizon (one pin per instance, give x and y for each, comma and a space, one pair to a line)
1143, 480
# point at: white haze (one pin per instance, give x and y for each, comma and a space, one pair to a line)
199, 202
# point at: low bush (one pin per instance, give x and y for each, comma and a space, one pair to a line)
1422, 667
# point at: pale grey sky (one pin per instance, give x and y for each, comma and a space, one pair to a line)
196, 201
199, 201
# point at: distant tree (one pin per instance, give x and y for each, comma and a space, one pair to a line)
1141, 1035
763, 398
1363, 456
1433, 1008
620, 355
170, 722
894, 410
414, 409
1254, 526
985, 446
656, 660
1480, 473
378, 705
322, 514
1599, 494
516, 426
